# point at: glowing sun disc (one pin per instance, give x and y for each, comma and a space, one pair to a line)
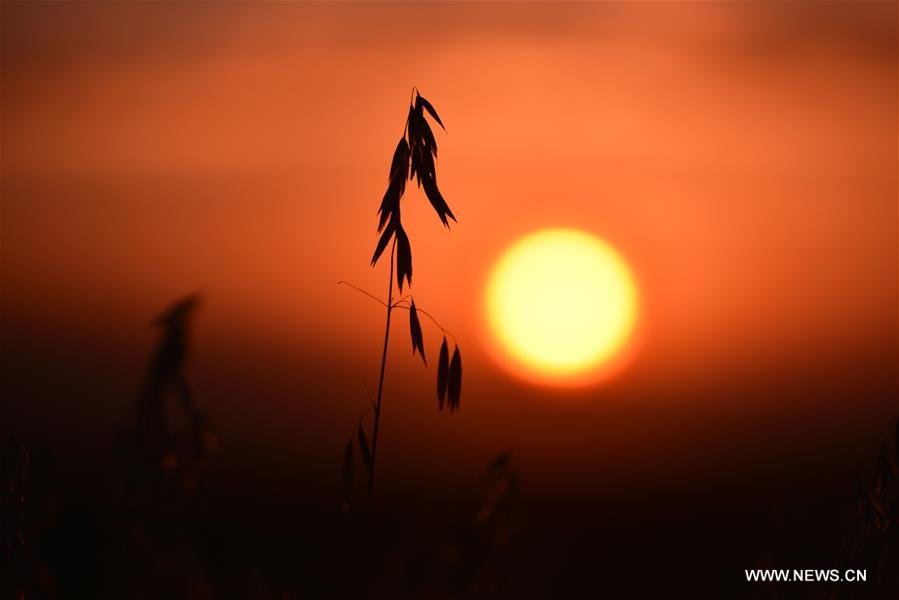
562, 303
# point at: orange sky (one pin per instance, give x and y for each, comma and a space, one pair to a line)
742, 157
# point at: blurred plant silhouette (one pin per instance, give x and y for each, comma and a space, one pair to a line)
153, 523
872, 539
168, 438
414, 158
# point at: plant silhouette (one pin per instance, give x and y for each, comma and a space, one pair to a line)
155, 434
157, 511
873, 535
414, 158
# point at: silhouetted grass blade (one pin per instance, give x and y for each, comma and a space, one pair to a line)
411, 124
418, 159
428, 107
403, 258
427, 140
383, 241
442, 373
364, 449
415, 331
454, 385
399, 166
437, 201
390, 203
413, 132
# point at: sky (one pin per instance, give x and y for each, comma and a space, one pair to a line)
741, 157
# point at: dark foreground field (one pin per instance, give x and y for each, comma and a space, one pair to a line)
117, 527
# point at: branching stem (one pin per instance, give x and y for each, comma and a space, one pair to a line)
428, 315
361, 291
399, 304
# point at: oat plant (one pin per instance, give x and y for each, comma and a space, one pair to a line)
414, 158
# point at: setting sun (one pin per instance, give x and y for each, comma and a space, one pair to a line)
562, 303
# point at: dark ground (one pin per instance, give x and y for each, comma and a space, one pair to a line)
128, 529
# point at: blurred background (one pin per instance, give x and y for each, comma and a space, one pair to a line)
740, 156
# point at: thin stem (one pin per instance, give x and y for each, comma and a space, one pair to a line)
411, 103
428, 315
374, 435
360, 290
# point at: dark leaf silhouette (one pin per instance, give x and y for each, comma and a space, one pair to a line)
411, 127
442, 373
348, 472
390, 204
412, 133
399, 167
437, 201
364, 449
415, 330
426, 165
385, 239
418, 163
428, 141
403, 258
454, 385
428, 107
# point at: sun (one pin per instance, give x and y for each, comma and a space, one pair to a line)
562, 303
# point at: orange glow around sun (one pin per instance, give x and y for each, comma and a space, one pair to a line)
562, 304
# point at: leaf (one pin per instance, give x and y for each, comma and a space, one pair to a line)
426, 166
348, 472
442, 373
399, 169
411, 128
416, 126
427, 139
428, 107
454, 385
390, 204
415, 330
363, 448
419, 164
385, 239
403, 258
399, 166
436, 199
